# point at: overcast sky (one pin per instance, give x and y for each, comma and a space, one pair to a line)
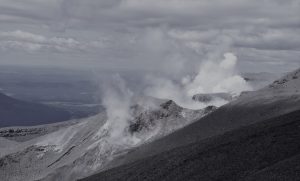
150, 34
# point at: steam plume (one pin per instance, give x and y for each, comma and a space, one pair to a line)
212, 77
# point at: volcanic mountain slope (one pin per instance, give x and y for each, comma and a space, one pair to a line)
91, 145
251, 107
260, 79
269, 150
6, 143
15, 112
82, 149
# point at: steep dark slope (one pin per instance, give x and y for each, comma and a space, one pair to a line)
267, 150
288, 169
15, 112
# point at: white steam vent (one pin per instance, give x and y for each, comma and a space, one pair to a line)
212, 77
216, 77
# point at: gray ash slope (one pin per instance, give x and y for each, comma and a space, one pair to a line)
84, 148
269, 150
280, 98
15, 112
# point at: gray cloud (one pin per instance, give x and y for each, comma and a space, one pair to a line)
20, 40
142, 33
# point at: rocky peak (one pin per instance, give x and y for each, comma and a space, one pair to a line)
168, 114
171, 106
147, 118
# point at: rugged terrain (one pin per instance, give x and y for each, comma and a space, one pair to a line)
164, 137
81, 149
268, 150
266, 124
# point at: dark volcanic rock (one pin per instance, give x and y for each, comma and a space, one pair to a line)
147, 119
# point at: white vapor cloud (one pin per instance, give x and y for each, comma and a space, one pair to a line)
117, 99
214, 76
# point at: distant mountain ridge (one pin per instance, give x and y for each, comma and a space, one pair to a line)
15, 112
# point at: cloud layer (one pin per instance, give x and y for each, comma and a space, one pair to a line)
115, 33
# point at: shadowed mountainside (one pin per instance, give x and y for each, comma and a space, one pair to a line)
15, 112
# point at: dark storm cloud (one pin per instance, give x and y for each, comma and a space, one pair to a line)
116, 29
